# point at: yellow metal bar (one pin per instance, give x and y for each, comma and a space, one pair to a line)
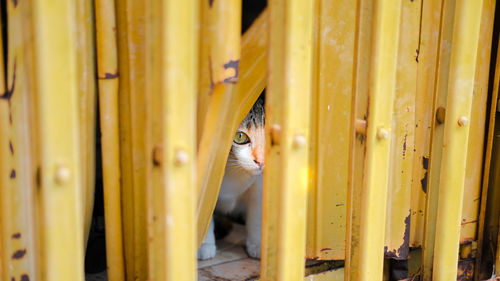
228, 106
61, 226
333, 66
133, 118
107, 73
477, 133
86, 106
437, 113
382, 89
18, 138
287, 129
428, 59
357, 147
456, 130
220, 51
173, 37
397, 235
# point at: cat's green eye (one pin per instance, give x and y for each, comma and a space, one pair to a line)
241, 138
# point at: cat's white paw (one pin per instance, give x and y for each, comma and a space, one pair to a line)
207, 251
253, 249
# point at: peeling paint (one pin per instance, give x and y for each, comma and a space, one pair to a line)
108, 75
13, 174
16, 235
19, 254
402, 252
25, 277
11, 147
234, 64
465, 270
425, 165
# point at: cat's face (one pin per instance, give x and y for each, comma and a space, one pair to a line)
247, 151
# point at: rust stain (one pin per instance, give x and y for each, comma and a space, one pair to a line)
402, 252
465, 270
11, 147
25, 277
16, 235
19, 254
467, 222
325, 249
13, 174
404, 146
234, 64
425, 165
108, 75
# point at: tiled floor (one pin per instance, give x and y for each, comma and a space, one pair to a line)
231, 263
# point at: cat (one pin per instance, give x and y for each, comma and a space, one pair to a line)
241, 188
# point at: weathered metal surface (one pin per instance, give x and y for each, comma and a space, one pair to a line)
287, 108
329, 155
455, 140
397, 229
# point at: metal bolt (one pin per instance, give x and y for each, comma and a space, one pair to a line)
157, 155
440, 114
382, 133
63, 174
463, 121
181, 157
299, 141
275, 134
360, 127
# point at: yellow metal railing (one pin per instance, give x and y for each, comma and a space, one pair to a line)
380, 127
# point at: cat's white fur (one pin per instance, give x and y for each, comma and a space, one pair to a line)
241, 191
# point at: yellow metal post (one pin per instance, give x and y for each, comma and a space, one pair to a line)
107, 73
133, 118
382, 88
397, 236
287, 131
229, 104
172, 69
61, 226
455, 139
330, 131
18, 154
87, 105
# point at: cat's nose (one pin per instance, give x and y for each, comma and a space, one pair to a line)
261, 165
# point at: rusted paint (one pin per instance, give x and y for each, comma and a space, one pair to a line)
402, 252
465, 270
13, 174
157, 155
11, 147
25, 277
234, 64
325, 249
19, 254
16, 235
108, 75
425, 165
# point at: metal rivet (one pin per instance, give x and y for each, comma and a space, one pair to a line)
63, 174
360, 126
157, 155
463, 121
382, 133
440, 114
181, 157
275, 134
299, 141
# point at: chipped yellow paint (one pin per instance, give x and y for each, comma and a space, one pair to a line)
287, 132
464, 46
402, 140
329, 151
